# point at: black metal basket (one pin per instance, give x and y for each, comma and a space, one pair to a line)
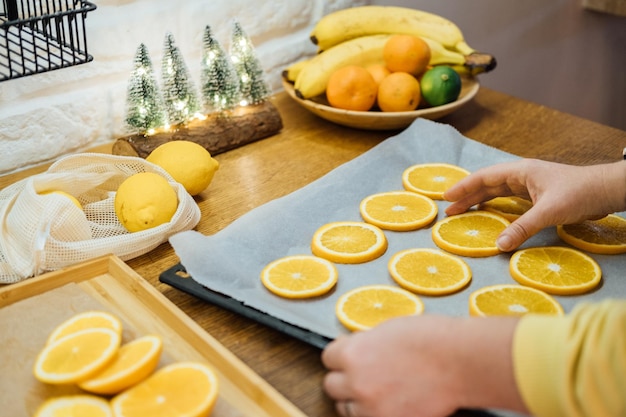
42, 35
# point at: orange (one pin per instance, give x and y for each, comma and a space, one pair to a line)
511, 208
432, 179
86, 320
555, 270
79, 405
351, 88
349, 242
605, 236
365, 307
399, 91
400, 211
299, 276
512, 300
406, 53
378, 71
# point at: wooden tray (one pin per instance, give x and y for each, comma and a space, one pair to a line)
113, 286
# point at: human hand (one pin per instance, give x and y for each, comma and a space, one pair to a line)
561, 194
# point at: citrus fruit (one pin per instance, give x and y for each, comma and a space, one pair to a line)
351, 88
79, 405
181, 389
472, 233
187, 162
429, 271
406, 53
299, 276
511, 300
77, 356
398, 210
508, 207
440, 85
365, 307
378, 72
73, 199
86, 320
555, 270
145, 200
605, 236
399, 91
432, 179
133, 363
349, 242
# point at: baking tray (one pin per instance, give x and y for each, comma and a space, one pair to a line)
27, 311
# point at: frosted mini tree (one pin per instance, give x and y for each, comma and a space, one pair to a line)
219, 81
145, 109
181, 100
253, 88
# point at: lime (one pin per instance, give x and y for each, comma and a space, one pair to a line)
440, 85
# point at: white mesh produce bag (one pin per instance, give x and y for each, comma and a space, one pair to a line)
41, 233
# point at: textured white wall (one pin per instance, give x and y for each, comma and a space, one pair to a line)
48, 115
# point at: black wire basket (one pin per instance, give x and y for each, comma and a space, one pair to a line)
37, 36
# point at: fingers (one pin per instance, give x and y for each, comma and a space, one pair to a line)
519, 231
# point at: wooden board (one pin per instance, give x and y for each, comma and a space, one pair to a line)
29, 310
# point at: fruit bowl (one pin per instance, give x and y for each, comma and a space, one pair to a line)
377, 120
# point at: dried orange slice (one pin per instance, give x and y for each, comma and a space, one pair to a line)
365, 307
606, 236
86, 320
473, 233
511, 208
432, 179
400, 211
555, 270
182, 389
512, 300
299, 276
349, 242
79, 405
429, 271
133, 363
77, 356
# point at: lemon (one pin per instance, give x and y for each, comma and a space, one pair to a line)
440, 85
67, 195
187, 162
145, 200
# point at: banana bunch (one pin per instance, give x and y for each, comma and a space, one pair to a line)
356, 36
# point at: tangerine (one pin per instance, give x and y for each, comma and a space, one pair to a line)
352, 88
399, 91
378, 71
406, 53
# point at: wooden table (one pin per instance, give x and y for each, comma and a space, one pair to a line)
306, 149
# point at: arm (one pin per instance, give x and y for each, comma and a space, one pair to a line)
561, 194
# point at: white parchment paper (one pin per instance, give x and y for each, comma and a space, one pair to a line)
230, 261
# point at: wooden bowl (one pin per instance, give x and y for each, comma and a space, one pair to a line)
377, 120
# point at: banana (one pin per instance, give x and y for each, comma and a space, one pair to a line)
291, 72
345, 24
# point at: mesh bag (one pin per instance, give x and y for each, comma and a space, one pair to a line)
41, 233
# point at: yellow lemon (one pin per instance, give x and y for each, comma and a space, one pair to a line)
187, 162
145, 200
67, 195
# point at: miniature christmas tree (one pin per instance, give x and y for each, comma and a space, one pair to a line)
179, 93
145, 110
219, 82
253, 88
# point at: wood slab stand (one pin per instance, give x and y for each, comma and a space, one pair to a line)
217, 133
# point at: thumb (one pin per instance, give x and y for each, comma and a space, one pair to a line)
520, 231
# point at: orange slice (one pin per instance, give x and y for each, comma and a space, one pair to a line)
349, 242
365, 307
432, 179
473, 233
182, 389
86, 320
77, 356
78, 405
400, 211
133, 363
511, 208
555, 270
429, 271
299, 276
606, 236
512, 300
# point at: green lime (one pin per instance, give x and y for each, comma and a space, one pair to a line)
440, 85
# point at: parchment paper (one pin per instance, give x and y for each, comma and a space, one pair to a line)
230, 261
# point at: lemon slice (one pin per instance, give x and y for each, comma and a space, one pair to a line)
400, 211
349, 242
606, 236
432, 179
473, 233
512, 300
299, 276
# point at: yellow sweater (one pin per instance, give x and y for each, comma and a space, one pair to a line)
573, 366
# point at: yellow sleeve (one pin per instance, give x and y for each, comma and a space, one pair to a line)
573, 366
